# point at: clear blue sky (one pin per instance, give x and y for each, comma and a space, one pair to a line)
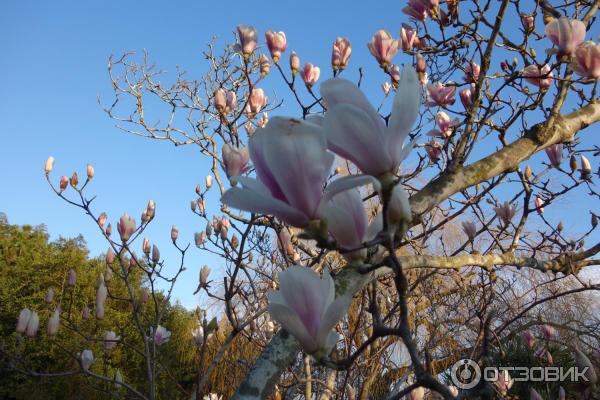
53, 66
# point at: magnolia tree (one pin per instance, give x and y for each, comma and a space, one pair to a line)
368, 244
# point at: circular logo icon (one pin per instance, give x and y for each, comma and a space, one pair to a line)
465, 374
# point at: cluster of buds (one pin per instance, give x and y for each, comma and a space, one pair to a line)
28, 322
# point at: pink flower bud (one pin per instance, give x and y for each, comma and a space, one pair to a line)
277, 43
85, 313
219, 101
90, 171
23, 319
33, 325
146, 246
198, 335
434, 150
49, 165
49, 296
102, 219
160, 335
540, 77
528, 22
341, 53
440, 94
472, 72
539, 203
421, 65
71, 277
445, 123
249, 128
386, 87
101, 294
110, 340
505, 211
586, 61
74, 181
256, 102
419, 9
529, 339
264, 119
248, 37
264, 65
126, 227
555, 154
204, 273
586, 167
466, 96
110, 256
294, 63
145, 296
86, 358
54, 323
155, 254
108, 229
470, 229
199, 238
64, 182
566, 34
208, 181
408, 36
174, 233
310, 74
383, 47
235, 160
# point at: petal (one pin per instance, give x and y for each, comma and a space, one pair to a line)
251, 200
354, 136
334, 314
346, 218
341, 91
350, 182
405, 109
290, 321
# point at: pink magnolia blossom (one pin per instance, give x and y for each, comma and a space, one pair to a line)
586, 167
85, 312
528, 22
32, 325
126, 227
505, 211
294, 63
310, 74
256, 102
90, 171
102, 219
541, 77
49, 296
417, 9
203, 276
408, 38
155, 254
86, 358
248, 37
198, 335
470, 229
340, 53
23, 319
504, 382
235, 160
64, 182
49, 165
555, 154
292, 164
566, 34
440, 94
466, 96
160, 335
110, 340
264, 65
529, 339
434, 150
54, 323
539, 205
586, 60
472, 72
383, 47
356, 131
582, 362
445, 125
277, 43
306, 307
71, 277
101, 294
225, 102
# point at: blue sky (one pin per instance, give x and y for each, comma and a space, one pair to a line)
53, 67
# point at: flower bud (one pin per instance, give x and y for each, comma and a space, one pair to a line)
248, 37
54, 323
234, 241
528, 173
264, 65
208, 229
209, 181
74, 181
155, 254
71, 277
64, 181
277, 43
102, 219
573, 164
594, 220
108, 274
146, 246
86, 358
470, 229
528, 22
539, 205
126, 226
32, 325
294, 63
586, 168
193, 205
108, 229
341, 53
23, 319
174, 233
110, 256
85, 313
49, 296
310, 74
204, 272
90, 171
110, 340
49, 165
199, 238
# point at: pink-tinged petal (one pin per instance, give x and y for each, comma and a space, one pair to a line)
341, 91
352, 134
296, 150
374, 227
290, 321
405, 109
346, 218
334, 314
261, 201
350, 182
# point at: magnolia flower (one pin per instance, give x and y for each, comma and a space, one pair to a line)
566, 34
256, 102
582, 362
54, 322
277, 43
466, 96
235, 160
86, 358
408, 37
347, 221
340, 53
225, 102
212, 396
539, 205
49, 296
529, 339
505, 211
110, 256
305, 307
203, 277
586, 167
85, 312
126, 227
64, 182
89, 171
160, 335
101, 295
356, 131
472, 72
555, 154
198, 335
49, 165
294, 63
504, 382
541, 77
174, 233
248, 38
383, 47
417, 394
528, 22
33, 324
434, 150
23, 319
208, 181
445, 125
310, 74
264, 65
386, 87
440, 94
292, 165
110, 340
417, 9
470, 229
586, 60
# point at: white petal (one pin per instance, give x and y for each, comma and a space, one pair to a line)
290, 321
405, 109
350, 182
346, 218
334, 314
